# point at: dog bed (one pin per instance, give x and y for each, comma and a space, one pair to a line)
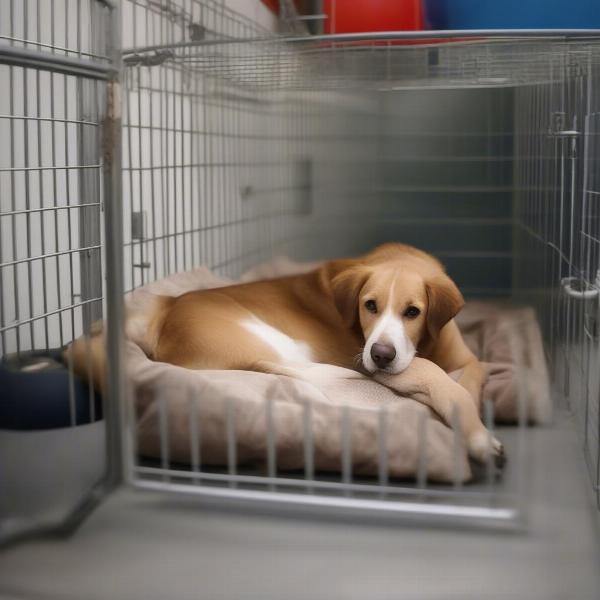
503, 337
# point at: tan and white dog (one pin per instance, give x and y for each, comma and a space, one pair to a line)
388, 314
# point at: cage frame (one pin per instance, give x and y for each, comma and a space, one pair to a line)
119, 446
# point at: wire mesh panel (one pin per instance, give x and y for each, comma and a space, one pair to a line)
239, 146
556, 133
590, 260
55, 60
225, 173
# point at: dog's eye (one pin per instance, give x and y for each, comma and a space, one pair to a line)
371, 306
411, 312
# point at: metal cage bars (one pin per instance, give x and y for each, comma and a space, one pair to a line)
232, 484
557, 223
214, 67
60, 180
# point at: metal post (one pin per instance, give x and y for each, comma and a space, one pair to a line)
117, 434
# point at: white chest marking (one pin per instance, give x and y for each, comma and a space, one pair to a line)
288, 349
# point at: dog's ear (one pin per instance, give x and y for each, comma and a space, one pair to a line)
444, 302
345, 287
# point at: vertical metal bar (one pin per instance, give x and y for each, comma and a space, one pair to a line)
152, 128
153, 169
164, 221
346, 437
41, 188
166, 88
196, 199
129, 206
173, 131
27, 186
68, 185
231, 441
488, 420
220, 160
195, 434
181, 195
78, 28
53, 155
71, 378
309, 449
271, 441
422, 461
205, 201
188, 220
117, 409
163, 428
13, 218
90, 265
142, 196
382, 448
457, 448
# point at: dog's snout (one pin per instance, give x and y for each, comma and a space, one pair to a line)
382, 354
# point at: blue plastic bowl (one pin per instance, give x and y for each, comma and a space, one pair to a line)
512, 14
40, 399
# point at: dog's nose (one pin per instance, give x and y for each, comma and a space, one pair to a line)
382, 354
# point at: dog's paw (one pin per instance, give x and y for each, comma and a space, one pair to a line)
482, 444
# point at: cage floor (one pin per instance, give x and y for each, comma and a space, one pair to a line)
147, 546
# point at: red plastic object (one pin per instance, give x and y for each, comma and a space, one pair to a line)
358, 16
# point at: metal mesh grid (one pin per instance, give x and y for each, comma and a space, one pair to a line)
50, 171
557, 217
590, 257
236, 151
381, 64
226, 175
70, 28
197, 132
55, 64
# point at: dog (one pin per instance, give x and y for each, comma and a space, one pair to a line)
386, 314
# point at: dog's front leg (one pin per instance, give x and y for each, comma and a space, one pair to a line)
472, 378
427, 383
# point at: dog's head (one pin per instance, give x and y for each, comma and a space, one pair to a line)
399, 306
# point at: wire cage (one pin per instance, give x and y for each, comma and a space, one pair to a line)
237, 146
58, 67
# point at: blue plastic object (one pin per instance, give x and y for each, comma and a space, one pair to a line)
512, 14
39, 399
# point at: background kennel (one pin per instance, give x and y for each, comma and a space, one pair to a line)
238, 145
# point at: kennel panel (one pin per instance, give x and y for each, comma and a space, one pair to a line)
56, 59
556, 223
327, 146
50, 172
589, 257
227, 163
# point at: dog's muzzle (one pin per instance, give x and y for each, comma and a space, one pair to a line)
382, 354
